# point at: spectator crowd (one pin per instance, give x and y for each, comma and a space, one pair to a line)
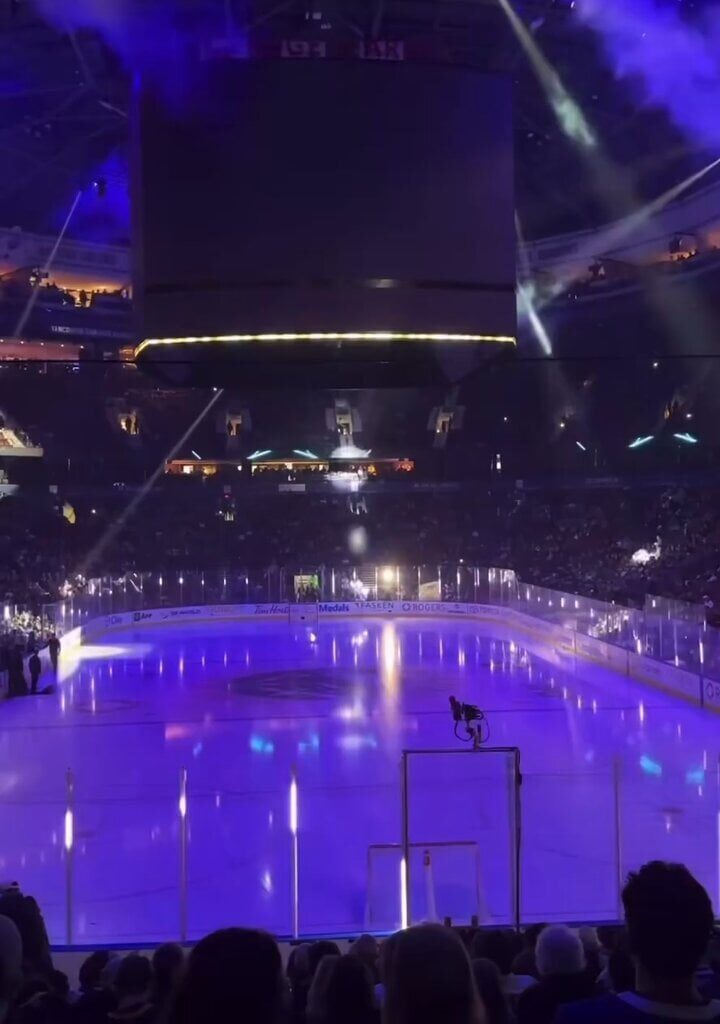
579, 542
664, 965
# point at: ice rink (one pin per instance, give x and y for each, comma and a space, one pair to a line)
242, 706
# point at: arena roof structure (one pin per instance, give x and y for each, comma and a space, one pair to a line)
64, 121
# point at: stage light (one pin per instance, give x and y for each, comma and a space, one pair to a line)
640, 441
193, 452
686, 438
259, 454
307, 454
387, 575
581, 446
293, 813
403, 892
325, 336
69, 830
358, 540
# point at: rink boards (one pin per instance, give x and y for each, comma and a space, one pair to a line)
560, 640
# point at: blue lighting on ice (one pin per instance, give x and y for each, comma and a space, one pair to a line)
650, 767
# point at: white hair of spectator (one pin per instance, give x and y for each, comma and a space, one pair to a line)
559, 951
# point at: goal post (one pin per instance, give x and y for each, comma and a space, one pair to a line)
385, 906
459, 798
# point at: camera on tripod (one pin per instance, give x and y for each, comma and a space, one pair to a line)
475, 722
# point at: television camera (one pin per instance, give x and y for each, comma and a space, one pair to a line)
476, 724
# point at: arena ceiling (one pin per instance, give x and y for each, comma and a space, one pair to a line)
64, 102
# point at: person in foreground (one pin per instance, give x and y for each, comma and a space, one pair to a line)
669, 920
563, 974
233, 975
429, 979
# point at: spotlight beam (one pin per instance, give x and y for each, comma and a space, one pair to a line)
20, 326
525, 294
528, 306
623, 229
569, 115
114, 529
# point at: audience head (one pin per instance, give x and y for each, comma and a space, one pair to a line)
669, 920
134, 977
232, 975
365, 948
530, 935
25, 913
524, 963
298, 963
316, 1000
109, 971
592, 948
497, 945
429, 980
91, 969
489, 985
349, 993
386, 954
559, 951
319, 949
167, 962
10, 962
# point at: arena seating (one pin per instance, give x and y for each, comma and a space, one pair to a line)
428, 973
580, 541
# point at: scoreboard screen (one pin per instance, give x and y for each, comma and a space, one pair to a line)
329, 203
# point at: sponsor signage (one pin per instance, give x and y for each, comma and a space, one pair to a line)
711, 693
668, 677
